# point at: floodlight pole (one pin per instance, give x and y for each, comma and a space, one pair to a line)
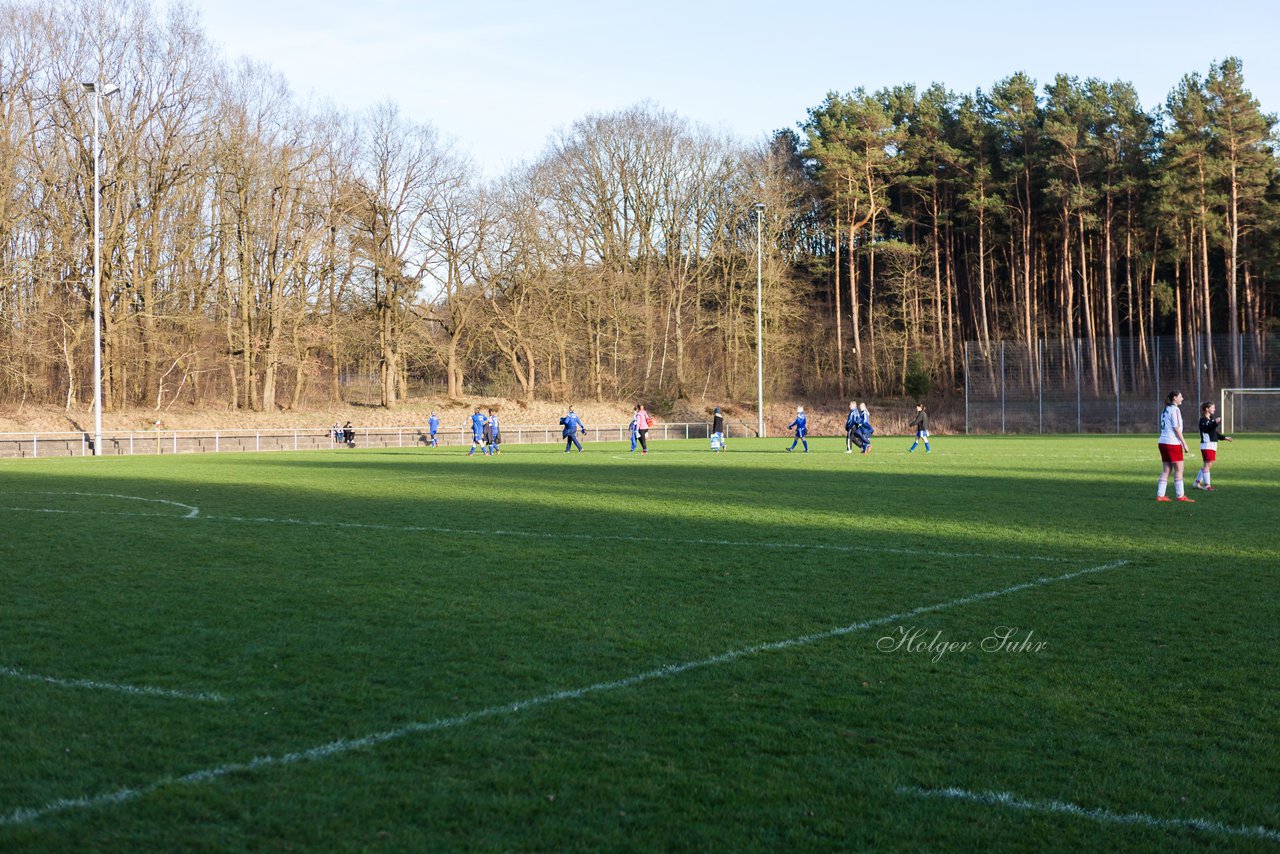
97, 89
759, 208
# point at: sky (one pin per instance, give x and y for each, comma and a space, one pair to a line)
500, 77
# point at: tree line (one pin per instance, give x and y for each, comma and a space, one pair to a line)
256, 252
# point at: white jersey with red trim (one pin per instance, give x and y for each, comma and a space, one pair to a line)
1170, 425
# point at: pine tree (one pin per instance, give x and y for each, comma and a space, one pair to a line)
1240, 137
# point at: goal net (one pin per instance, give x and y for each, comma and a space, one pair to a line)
1254, 409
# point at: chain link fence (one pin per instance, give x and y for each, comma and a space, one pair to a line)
1117, 385
128, 442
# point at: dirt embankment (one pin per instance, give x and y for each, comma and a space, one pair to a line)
824, 418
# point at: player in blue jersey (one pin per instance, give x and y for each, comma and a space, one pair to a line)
477, 431
851, 422
572, 424
493, 445
433, 427
633, 433
801, 426
864, 427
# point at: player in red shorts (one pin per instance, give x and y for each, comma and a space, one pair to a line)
1172, 447
1210, 436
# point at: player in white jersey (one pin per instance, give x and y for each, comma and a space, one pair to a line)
1210, 434
1172, 447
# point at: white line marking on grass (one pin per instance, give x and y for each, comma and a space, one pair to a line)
339, 747
558, 535
671, 541
141, 690
1006, 799
192, 513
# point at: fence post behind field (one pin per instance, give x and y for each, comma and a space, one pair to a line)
1157, 352
1115, 377
1040, 383
1200, 355
1002, 387
966, 388
1079, 422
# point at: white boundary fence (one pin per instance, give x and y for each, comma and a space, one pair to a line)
128, 442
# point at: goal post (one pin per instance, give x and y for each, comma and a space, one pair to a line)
1232, 408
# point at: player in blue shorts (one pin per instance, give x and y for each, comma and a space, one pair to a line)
477, 431
433, 427
493, 446
864, 428
801, 426
921, 423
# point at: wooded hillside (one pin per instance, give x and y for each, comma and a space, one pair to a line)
258, 253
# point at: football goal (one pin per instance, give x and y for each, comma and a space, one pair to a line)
1250, 408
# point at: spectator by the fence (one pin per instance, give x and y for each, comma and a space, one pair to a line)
349, 435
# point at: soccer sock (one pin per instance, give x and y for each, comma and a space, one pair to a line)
926, 446
913, 446
806, 445
1178, 489
1161, 485
1199, 475
1206, 477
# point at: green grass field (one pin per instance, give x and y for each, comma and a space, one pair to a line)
411, 650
